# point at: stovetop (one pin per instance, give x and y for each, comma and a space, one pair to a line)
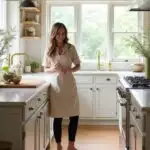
138, 82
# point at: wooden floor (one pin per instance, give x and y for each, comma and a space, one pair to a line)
93, 138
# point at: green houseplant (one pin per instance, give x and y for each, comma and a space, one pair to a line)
35, 66
141, 45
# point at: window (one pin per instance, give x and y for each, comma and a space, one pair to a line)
2, 14
93, 30
97, 27
125, 24
65, 14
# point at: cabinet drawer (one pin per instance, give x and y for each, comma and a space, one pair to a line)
84, 79
106, 79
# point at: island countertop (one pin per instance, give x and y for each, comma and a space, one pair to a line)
20, 96
142, 97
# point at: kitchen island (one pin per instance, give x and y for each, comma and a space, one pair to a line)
24, 114
140, 119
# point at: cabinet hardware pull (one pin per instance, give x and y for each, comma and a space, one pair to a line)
41, 113
39, 99
91, 89
131, 125
134, 109
97, 89
108, 79
30, 108
137, 117
39, 117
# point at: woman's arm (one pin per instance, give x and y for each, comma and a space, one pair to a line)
73, 69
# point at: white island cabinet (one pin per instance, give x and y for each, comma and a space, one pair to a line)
24, 115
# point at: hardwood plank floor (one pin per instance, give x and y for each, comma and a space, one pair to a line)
92, 138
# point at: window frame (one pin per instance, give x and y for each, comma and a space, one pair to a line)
110, 24
3, 10
113, 34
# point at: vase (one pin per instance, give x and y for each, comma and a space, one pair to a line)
147, 68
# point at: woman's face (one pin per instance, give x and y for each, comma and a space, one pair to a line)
60, 36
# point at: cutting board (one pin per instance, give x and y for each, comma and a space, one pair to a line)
23, 84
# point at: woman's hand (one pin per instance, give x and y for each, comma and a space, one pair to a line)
58, 67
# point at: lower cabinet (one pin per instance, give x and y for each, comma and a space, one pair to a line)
85, 94
105, 101
37, 130
97, 96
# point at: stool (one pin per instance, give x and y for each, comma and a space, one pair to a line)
5, 145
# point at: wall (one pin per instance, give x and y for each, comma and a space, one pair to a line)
12, 16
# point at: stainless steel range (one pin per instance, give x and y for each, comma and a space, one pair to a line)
124, 105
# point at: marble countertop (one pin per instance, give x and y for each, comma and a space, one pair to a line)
22, 95
142, 96
19, 96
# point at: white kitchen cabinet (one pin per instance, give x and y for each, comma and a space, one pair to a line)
97, 96
105, 102
27, 124
30, 128
85, 93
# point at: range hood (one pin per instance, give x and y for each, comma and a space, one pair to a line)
27, 3
144, 7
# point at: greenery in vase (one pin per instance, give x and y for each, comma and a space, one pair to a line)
6, 38
34, 65
140, 42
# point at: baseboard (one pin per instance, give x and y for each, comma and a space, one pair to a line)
93, 122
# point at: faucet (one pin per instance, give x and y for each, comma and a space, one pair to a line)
11, 57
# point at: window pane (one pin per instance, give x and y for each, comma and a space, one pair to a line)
124, 20
64, 14
121, 51
93, 30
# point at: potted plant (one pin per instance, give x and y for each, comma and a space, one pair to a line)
35, 66
141, 45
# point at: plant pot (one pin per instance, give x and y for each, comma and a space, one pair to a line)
36, 70
147, 68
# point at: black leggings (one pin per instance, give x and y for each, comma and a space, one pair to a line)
72, 128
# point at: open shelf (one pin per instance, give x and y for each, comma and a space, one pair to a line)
31, 9
31, 37
30, 23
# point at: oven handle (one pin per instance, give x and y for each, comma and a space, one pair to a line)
121, 101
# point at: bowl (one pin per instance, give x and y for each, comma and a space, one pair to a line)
138, 67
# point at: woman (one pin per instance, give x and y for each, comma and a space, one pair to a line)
64, 99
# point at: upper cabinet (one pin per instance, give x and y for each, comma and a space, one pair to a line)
30, 19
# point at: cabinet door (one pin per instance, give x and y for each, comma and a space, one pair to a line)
85, 94
46, 125
139, 140
106, 101
30, 133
